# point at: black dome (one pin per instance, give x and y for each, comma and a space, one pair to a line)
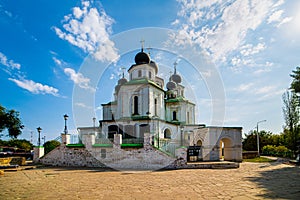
176, 78
142, 58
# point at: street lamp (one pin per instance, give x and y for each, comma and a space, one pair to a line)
94, 124
258, 136
39, 129
66, 118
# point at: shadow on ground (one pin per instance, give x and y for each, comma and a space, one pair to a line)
276, 181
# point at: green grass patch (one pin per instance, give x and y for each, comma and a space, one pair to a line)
75, 145
132, 145
258, 159
102, 145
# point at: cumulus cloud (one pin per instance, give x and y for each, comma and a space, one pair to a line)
79, 79
89, 29
9, 63
35, 88
221, 27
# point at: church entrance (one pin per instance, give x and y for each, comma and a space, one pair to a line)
225, 149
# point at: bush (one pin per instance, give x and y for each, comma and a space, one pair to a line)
280, 151
50, 145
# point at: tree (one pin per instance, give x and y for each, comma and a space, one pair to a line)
295, 85
10, 120
50, 145
250, 142
291, 117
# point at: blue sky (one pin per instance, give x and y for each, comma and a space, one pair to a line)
60, 57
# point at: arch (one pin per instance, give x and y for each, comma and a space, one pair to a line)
226, 152
167, 133
199, 143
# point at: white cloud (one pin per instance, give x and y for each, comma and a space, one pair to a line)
276, 17
244, 87
80, 104
9, 63
89, 29
226, 27
57, 61
35, 88
249, 49
79, 79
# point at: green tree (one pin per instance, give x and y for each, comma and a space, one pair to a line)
295, 85
291, 117
250, 142
10, 120
50, 145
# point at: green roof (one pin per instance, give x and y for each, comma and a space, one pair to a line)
178, 99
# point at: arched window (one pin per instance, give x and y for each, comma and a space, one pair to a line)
140, 73
174, 115
135, 105
167, 133
150, 75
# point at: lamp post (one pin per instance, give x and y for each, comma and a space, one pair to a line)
39, 129
258, 136
66, 118
94, 124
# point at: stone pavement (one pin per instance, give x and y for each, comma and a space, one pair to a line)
250, 181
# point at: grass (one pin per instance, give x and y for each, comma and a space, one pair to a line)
132, 145
258, 159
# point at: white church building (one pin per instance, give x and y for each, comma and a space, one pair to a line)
148, 110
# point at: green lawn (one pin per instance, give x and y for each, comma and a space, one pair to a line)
258, 159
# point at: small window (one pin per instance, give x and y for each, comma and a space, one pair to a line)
140, 73
174, 115
155, 107
135, 105
150, 75
103, 153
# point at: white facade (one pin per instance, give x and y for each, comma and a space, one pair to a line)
142, 106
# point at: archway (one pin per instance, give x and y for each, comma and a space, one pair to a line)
167, 133
225, 149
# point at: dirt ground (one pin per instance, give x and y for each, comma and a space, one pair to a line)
250, 181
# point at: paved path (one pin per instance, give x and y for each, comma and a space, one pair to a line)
250, 181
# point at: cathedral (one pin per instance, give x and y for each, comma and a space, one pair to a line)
146, 108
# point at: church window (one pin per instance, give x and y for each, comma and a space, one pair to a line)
155, 107
130, 76
174, 115
188, 117
150, 75
135, 105
140, 73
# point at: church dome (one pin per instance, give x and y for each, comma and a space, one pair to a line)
122, 81
142, 58
176, 78
171, 85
